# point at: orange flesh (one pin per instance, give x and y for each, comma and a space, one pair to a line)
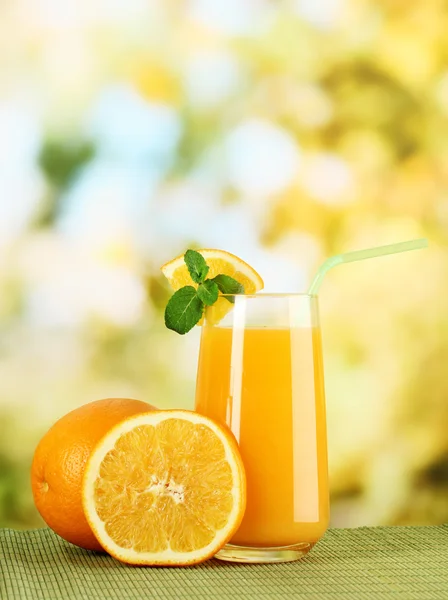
165, 486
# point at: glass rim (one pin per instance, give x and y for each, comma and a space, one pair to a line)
271, 295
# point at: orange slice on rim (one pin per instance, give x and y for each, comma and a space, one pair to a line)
165, 488
220, 262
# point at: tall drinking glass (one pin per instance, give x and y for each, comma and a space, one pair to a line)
261, 372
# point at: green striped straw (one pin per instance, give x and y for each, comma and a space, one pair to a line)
361, 255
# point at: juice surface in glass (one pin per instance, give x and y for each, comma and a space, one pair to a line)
266, 384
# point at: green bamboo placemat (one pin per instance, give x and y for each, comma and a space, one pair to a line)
403, 563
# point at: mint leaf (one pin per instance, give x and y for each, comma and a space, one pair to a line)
183, 310
197, 267
228, 285
208, 292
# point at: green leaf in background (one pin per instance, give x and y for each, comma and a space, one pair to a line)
183, 310
228, 285
60, 161
208, 292
197, 266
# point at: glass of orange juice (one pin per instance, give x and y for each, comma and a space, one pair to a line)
261, 372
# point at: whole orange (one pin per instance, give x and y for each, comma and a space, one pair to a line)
59, 463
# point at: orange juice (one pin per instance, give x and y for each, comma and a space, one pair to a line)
266, 384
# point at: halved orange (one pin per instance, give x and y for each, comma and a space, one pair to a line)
220, 263
165, 488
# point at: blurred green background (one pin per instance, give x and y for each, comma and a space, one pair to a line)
283, 132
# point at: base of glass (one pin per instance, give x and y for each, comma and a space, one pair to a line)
252, 554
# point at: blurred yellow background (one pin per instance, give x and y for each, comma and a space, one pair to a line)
283, 132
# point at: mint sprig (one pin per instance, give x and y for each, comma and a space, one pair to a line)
186, 306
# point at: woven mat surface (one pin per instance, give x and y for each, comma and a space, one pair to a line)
379, 563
